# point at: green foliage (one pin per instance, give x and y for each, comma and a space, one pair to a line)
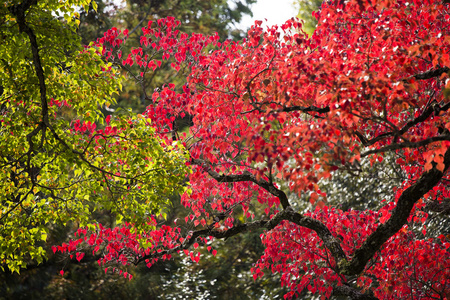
196, 16
55, 168
306, 7
94, 22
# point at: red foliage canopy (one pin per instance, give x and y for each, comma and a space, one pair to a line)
275, 113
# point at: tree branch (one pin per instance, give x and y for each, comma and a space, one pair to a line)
408, 145
287, 214
19, 11
244, 177
322, 231
398, 218
434, 108
307, 109
430, 74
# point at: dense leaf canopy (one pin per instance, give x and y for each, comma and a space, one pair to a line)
272, 117
60, 159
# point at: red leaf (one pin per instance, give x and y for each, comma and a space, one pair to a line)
79, 255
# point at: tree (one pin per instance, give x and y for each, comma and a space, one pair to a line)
56, 166
273, 115
360, 194
206, 17
41, 280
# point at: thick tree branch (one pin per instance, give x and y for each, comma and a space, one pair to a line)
19, 11
322, 231
408, 145
307, 109
430, 74
270, 187
287, 214
398, 218
433, 108
220, 234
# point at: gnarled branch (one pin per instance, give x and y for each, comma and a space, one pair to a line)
421, 143
398, 218
19, 11
433, 108
270, 187
287, 214
431, 73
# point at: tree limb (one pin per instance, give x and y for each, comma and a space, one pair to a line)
270, 187
398, 218
434, 108
19, 11
307, 109
287, 214
430, 74
408, 145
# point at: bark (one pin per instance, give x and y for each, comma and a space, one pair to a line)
398, 218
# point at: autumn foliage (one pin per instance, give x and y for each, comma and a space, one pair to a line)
273, 115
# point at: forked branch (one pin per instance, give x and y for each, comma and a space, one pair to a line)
397, 220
